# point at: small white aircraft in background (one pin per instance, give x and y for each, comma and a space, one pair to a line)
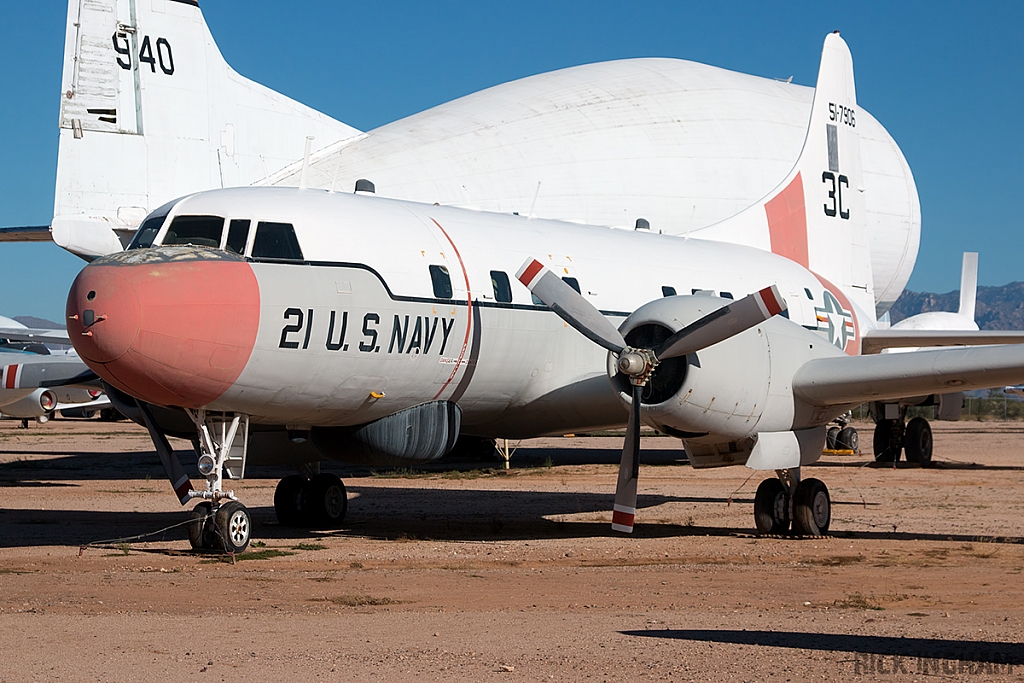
377, 330
33, 382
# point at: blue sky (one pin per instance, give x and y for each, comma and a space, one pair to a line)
946, 79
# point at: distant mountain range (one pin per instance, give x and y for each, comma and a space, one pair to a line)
997, 308
38, 323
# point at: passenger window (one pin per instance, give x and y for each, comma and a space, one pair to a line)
726, 295
502, 289
199, 231
147, 232
238, 235
572, 282
668, 291
442, 282
276, 241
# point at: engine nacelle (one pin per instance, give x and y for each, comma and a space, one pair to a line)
718, 399
39, 403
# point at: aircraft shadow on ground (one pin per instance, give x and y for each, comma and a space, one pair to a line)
935, 465
393, 512
410, 513
916, 648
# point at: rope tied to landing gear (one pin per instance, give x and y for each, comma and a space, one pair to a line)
114, 543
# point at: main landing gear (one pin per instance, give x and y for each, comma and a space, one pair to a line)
220, 522
789, 500
317, 501
895, 434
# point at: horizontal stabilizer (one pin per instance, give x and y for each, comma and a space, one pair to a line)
856, 379
28, 233
31, 334
892, 338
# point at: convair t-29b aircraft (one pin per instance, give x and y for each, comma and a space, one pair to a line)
378, 330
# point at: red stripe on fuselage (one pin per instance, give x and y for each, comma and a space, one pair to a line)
12, 376
469, 313
787, 222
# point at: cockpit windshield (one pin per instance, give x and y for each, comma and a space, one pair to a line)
199, 231
147, 231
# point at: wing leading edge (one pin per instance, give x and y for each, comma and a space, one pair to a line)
856, 379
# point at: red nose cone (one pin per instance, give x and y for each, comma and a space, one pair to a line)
168, 331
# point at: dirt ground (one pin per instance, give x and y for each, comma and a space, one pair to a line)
479, 574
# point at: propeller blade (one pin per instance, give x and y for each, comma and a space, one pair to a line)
721, 324
570, 306
624, 509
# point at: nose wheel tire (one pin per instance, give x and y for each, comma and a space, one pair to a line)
233, 527
917, 441
200, 519
812, 508
771, 507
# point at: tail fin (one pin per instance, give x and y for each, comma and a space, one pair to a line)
817, 216
969, 285
150, 111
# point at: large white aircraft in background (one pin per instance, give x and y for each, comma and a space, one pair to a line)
325, 333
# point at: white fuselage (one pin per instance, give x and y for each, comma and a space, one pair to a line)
514, 367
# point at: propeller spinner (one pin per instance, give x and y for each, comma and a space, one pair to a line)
639, 363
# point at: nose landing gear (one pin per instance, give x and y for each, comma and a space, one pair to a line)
222, 447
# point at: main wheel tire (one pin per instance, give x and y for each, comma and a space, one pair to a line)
812, 508
886, 445
234, 527
199, 518
291, 500
917, 441
848, 439
830, 438
771, 508
328, 501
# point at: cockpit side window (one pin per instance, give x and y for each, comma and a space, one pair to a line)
238, 235
199, 231
276, 241
147, 232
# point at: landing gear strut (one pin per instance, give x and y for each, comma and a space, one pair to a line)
788, 499
222, 446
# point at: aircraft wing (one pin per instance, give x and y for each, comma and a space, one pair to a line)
856, 379
29, 371
876, 340
29, 233
30, 334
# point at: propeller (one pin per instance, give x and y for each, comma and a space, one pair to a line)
639, 363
